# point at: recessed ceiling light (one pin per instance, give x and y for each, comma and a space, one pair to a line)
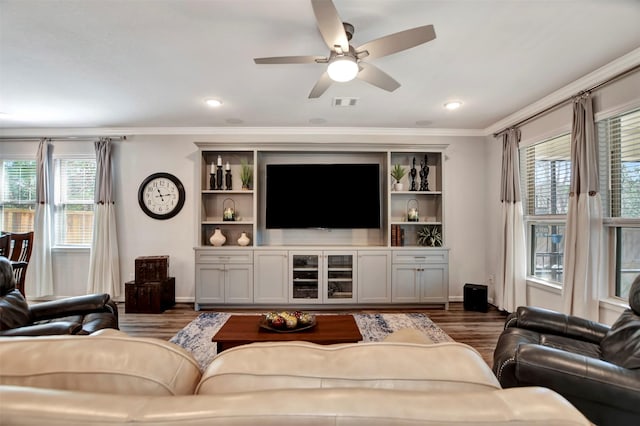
451, 105
214, 103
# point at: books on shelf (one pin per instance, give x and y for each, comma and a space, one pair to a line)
397, 236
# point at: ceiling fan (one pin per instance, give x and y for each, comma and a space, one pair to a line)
345, 62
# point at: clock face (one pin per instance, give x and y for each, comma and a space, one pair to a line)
161, 196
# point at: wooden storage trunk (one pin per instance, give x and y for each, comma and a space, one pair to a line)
151, 268
151, 297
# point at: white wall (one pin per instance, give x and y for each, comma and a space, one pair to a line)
619, 96
139, 235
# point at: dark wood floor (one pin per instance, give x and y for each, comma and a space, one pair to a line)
478, 329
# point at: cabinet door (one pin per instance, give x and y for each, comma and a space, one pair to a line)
406, 283
271, 277
238, 283
340, 277
435, 284
374, 277
210, 279
306, 277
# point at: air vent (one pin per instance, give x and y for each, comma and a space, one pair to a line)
344, 102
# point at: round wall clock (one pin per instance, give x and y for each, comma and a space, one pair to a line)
161, 196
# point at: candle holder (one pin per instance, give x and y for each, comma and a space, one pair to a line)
424, 174
212, 181
219, 177
412, 211
412, 176
228, 213
227, 179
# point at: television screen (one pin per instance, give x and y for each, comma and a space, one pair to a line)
322, 196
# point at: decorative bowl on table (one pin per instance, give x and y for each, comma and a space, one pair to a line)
287, 322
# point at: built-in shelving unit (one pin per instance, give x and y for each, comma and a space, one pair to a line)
341, 266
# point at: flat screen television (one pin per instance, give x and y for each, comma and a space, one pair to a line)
332, 196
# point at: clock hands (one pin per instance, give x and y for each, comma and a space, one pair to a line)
161, 195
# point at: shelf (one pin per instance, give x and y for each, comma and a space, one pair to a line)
227, 222
403, 223
224, 191
416, 192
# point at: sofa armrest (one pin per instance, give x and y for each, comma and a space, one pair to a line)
552, 322
578, 377
48, 329
75, 305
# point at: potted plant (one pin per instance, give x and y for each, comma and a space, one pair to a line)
398, 173
246, 174
430, 236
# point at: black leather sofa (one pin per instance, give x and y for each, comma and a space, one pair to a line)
594, 366
73, 315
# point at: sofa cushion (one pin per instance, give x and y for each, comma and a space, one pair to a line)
621, 345
105, 362
299, 365
14, 311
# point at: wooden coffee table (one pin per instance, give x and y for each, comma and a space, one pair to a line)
329, 329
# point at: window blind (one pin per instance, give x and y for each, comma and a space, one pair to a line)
546, 176
75, 186
19, 182
18, 198
619, 138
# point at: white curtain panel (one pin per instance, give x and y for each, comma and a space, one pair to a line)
584, 217
40, 269
511, 282
104, 262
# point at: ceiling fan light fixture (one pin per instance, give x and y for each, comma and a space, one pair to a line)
342, 68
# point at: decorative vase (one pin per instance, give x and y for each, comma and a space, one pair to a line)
218, 238
243, 240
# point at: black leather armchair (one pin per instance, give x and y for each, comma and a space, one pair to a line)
594, 366
72, 315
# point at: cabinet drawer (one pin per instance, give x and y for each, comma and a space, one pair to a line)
244, 256
420, 256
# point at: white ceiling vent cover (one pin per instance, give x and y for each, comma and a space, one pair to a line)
345, 102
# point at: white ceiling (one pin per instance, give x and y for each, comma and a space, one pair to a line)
152, 63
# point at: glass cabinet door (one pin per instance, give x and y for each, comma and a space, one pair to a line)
340, 278
305, 277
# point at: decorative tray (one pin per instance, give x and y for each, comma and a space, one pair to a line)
287, 322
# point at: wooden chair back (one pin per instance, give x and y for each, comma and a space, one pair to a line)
5, 245
20, 254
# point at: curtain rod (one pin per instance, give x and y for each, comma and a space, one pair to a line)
61, 138
569, 99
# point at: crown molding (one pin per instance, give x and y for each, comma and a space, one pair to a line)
235, 131
594, 78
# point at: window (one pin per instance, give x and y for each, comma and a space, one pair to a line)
545, 170
74, 202
18, 187
619, 142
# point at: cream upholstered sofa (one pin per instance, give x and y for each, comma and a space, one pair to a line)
110, 378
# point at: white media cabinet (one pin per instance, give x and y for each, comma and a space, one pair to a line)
314, 268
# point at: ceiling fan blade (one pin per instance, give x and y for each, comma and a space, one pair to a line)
321, 86
374, 75
396, 42
291, 60
330, 24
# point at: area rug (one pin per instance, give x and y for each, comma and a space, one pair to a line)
196, 336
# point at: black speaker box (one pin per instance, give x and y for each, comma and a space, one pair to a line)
475, 298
